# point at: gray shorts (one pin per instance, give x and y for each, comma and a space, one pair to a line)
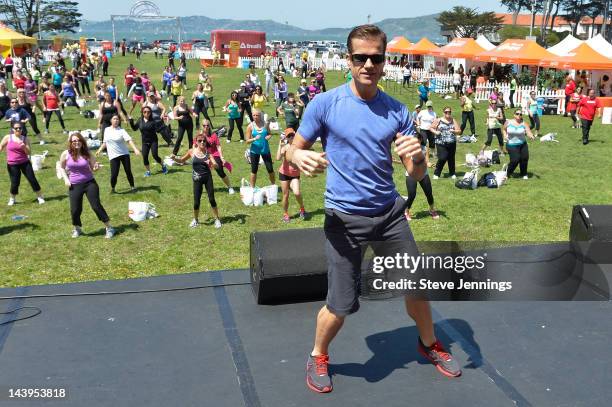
345, 236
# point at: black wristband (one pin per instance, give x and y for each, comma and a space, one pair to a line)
421, 161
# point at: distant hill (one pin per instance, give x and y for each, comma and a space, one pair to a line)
200, 26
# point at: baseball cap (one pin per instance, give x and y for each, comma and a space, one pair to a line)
429, 103
417, 107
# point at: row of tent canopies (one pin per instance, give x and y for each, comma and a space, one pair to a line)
570, 53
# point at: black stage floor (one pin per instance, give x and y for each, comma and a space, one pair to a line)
215, 347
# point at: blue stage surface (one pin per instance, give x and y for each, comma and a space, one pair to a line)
213, 346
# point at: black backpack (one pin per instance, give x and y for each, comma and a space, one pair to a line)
495, 157
88, 114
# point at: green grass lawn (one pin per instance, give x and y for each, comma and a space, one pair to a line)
39, 250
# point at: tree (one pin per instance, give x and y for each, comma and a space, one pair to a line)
467, 22
574, 11
25, 16
515, 7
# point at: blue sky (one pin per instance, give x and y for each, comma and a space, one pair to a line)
309, 14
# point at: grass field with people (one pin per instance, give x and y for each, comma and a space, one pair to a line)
39, 249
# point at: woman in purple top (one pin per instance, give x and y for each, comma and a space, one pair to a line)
77, 167
18, 150
280, 92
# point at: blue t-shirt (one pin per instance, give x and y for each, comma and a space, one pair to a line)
357, 136
423, 91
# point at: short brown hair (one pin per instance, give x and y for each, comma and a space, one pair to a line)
366, 31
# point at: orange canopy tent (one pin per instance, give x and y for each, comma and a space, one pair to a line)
582, 57
422, 47
398, 45
521, 52
459, 48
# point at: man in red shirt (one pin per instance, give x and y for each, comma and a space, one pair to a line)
587, 108
570, 87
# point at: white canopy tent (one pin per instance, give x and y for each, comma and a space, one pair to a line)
566, 45
599, 44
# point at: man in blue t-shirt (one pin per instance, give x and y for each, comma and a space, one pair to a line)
358, 124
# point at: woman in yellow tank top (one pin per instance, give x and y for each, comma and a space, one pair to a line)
258, 99
467, 112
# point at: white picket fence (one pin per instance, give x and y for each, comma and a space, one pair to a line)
331, 64
443, 84
483, 91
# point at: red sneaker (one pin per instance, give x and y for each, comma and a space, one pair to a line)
317, 376
443, 360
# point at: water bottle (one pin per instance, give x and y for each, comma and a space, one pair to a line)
18, 217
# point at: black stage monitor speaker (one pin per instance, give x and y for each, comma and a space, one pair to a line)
288, 266
591, 233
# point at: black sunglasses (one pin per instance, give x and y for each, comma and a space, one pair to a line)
518, 113
448, 111
18, 128
201, 141
363, 58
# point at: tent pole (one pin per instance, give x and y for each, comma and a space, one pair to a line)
536, 78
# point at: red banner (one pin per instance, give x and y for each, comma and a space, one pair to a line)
186, 46
107, 45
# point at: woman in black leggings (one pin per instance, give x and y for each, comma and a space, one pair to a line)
116, 141
148, 131
202, 178
108, 109
446, 129
200, 104
411, 186
18, 150
183, 114
234, 116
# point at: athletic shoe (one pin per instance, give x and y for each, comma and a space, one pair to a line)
41, 200
42, 142
46, 131
147, 174
454, 176
194, 224
585, 142
436, 177
242, 141
65, 132
408, 216
133, 189
110, 232
525, 177
434, 214
317, 376
444, 361
231, 191
286, 218
303, 214
164, 169
228, 141
76, 233
217, 224
11, 202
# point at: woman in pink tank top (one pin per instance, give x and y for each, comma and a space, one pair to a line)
77, 167
289, 176
18, 150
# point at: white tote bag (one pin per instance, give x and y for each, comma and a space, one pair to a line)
258, 196
271, 192
246, 193
139, 211
501, 177
37, 160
